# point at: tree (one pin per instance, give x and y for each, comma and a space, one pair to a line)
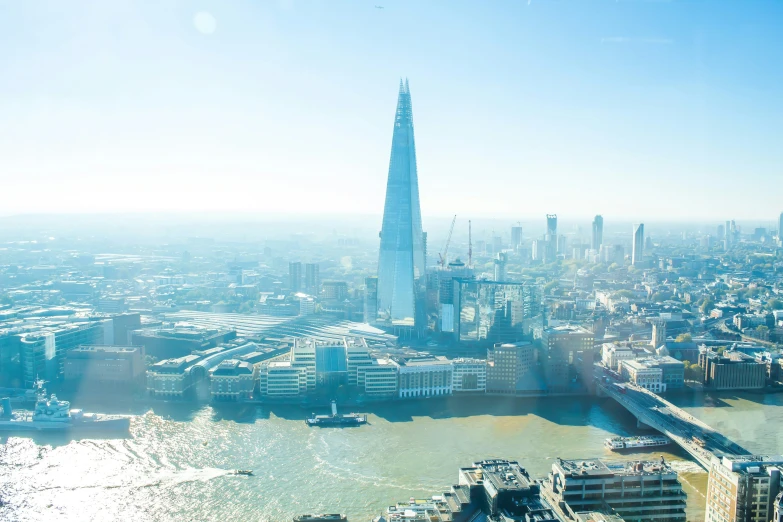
624, 293
550, 286
684, 338
775, 304
707, 305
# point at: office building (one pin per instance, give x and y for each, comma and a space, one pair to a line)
732, 371
637, 252
378, 379
424, 376
280, 380
672, 370
42, 354
508, 364
357, 355
500, 266
613, 354
598, 233
306, 305
370, 299
312, 279
565, 349
550, 250
169, 342
334, 290
640, 374
295, 276
121, 327
494, 311
401, 263
780, 226
636, 491
171, 378
469, 375
743, 488
232, 380
445, 281
516, 236
104, 365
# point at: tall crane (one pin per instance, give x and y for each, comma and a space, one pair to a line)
446, 246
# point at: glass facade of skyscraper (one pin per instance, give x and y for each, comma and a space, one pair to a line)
401, 278
494, 311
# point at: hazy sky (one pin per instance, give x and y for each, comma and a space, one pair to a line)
636, 109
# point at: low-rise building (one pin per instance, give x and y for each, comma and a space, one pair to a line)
104, 365
636, 491
673, 371
280, 379
470, 375
424, 376
232, 380
732, 371
612, 354
378, 379
171, 378
640, 374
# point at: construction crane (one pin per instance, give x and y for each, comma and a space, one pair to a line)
446, 246
470, 245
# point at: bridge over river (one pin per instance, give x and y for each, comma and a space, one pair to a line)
697, 438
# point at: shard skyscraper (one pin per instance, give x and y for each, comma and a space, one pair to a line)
401, 278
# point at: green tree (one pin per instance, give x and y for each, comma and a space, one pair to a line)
707, 305
775, 304
684, 338
550, 286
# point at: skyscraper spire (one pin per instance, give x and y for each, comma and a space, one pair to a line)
401, 290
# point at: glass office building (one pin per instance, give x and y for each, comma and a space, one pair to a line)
495, 311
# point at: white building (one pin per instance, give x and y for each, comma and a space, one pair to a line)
469, 375
379, 379
281, 379
303, 357
306, 306
612, 355
642, 375
426, 376
357, 356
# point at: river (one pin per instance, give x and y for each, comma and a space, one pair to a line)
177, 463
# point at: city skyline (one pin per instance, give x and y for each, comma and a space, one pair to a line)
657, 93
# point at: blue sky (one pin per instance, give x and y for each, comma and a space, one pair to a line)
636, 109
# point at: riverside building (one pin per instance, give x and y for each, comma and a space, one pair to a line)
636, 491
469, 375
232, 380
743, 488
507, 365
426, 376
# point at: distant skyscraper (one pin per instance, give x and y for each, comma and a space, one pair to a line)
312, 279
516, 236
598, 233
638, 244
401, 278
295, 276
551, 238
500, 266
780, 226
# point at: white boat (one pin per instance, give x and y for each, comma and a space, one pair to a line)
52, 414
641, 442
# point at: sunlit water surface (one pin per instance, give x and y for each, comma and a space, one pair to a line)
177, 463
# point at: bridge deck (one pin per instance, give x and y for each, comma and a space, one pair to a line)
675, 423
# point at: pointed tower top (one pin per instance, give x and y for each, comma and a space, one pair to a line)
407, 87
402, 86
